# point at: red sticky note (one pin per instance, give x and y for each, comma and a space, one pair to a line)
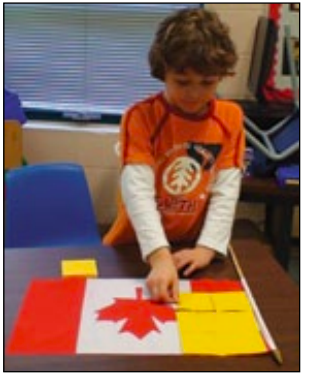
49, 318
210, 285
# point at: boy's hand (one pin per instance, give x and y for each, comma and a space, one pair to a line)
193, 259
162, 280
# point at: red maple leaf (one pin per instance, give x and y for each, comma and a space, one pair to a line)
139, 314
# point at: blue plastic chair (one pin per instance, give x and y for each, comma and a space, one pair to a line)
49, 205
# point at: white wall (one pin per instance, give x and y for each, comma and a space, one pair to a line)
94, 148
242, 20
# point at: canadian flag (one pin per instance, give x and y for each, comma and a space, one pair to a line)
116, 316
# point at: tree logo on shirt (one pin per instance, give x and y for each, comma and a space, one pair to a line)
182, 175
185, 165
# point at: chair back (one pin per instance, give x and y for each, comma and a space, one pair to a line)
49, 205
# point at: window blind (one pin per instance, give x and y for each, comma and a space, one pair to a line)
85, 58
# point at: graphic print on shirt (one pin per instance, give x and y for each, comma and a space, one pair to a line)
184, 172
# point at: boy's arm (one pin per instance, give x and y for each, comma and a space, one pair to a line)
138, 192
216, 231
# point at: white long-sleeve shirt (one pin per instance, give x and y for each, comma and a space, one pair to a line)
138, 192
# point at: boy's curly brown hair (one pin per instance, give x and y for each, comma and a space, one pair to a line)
192, 38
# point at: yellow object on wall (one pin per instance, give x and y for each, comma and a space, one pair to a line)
13, 144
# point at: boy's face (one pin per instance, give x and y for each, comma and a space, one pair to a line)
189, 91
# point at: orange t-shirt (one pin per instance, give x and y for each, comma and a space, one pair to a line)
185, 154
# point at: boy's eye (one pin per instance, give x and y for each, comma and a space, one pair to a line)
182, 83
207, 83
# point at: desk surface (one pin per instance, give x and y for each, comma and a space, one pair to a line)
279, 202
267, 190
275, 293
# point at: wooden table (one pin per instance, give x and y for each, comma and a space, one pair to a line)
275, 293
279, 207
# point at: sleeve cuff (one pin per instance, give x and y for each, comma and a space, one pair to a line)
220, 248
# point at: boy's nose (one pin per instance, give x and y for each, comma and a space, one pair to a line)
193, 94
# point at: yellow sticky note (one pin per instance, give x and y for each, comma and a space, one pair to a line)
192, 323
83, 267
230, 301
229, 328
238, 333
195, 301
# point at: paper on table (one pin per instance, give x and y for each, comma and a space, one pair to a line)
65, 313
225, 325
195, 301
231, 301
83, 267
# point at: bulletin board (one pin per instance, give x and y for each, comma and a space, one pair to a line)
284, 14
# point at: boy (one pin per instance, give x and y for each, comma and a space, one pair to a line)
182, 154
